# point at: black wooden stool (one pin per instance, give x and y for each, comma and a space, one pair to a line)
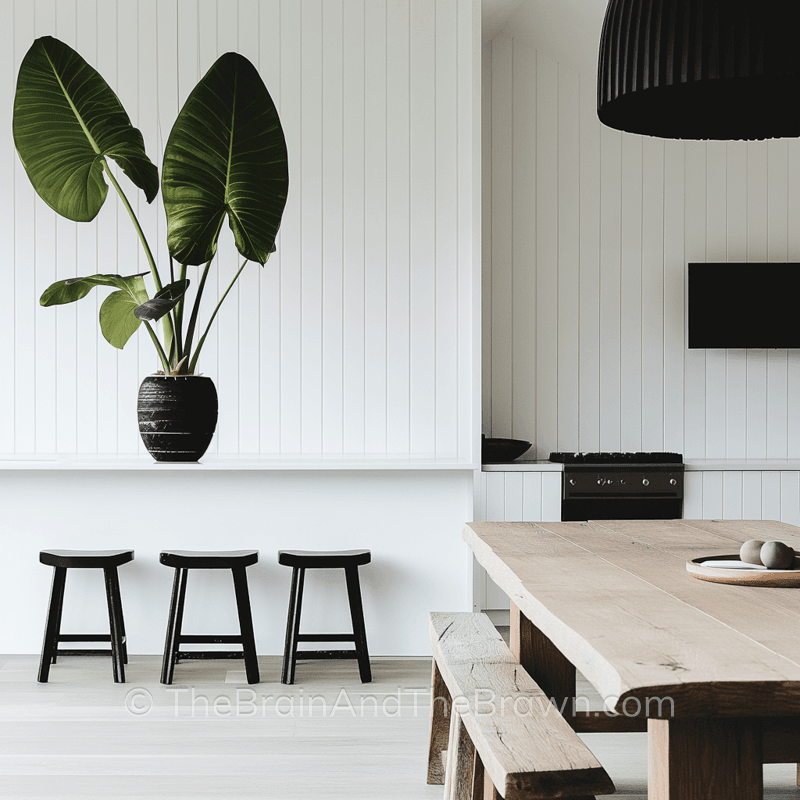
108, 561
236, 561
300, 561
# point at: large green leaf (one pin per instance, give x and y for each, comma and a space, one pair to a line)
117, 318
163, 302
66, 120
72, 289
226, 155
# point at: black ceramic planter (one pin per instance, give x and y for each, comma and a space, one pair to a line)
177, 416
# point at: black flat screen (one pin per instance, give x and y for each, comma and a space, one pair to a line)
744, 306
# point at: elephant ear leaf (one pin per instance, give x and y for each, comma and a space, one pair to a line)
73, 289
163, 302
118, 322
66, 121
225, 156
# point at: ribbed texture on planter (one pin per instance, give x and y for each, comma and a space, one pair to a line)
177, 416
701, 69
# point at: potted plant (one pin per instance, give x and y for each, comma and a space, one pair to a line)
225, 157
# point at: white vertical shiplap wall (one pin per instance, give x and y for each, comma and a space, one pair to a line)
585, 254
751, 494
358, 336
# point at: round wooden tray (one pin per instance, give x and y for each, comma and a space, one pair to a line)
743, 577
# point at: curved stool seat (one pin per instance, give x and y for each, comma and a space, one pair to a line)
208, 559
300, 561
237, 562
320, 559
108, 561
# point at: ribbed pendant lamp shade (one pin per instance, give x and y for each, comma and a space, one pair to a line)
701, 69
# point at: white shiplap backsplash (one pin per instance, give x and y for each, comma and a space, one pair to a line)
586, 240
358, 335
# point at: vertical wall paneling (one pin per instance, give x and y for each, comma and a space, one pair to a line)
546, 220
353, 186
752, 500
398, 253
446, 287
610, 296
652, 295
771, 495
359, 335
502, 288
422, 122
332, 266
486, 272
22, 340
633, 192
551, 496
568, 243
522, 284
531, 496
614, 219
267, 395
695, 166
731, 495
288, 422
713, 495
589, 273
375, 226
790, 497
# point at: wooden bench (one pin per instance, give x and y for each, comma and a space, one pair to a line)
502, 735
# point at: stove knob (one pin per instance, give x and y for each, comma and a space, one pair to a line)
645, 482
609, 481
621, 481
572, 481
600, 481
673, 482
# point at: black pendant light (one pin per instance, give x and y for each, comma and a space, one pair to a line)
701, 69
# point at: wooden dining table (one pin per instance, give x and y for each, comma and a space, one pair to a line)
710, 670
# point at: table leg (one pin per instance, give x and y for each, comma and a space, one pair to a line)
543, 661
704, 759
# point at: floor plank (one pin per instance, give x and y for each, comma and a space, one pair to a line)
75, 738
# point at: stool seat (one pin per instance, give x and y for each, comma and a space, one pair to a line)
321, 559
208, 559
85, 559
237, 562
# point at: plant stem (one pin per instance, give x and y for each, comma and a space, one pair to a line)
178, 316
132, 215
214, 314
161, 354
195, 309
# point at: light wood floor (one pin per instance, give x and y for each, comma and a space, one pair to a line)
82, 736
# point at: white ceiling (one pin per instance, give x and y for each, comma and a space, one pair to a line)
566, 30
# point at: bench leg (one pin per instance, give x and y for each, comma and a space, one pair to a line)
53, 625
460, 780
440, 726
174, 624
246, 624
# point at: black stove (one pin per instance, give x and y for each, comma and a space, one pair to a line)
621, 485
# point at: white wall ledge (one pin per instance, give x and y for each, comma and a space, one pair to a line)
525, 466
743, 464
214, 463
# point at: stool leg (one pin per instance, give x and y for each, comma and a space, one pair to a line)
52, 627
357, 615
115, 622
172, 644
293, 625
246, 623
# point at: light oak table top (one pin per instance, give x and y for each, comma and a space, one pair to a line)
614, 599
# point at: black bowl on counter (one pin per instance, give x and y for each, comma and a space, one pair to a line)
500, 451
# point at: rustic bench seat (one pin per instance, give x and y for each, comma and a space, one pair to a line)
502, 735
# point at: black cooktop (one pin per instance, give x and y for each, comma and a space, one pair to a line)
617, 458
